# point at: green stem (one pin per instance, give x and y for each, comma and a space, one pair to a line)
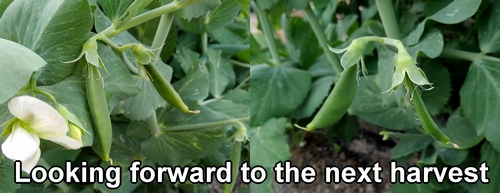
463, 55
386, 12
243, 83
137, 20
200, 126
269, 34
121, 52
204, 34
32, 84
62, 185
241, 64
153, 124
323, 42
46, 94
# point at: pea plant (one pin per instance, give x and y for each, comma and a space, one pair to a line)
108, 82
425, 72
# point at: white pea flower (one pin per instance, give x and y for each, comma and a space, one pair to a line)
34, 119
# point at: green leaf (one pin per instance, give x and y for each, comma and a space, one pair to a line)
301, 43
437, 98
431, 44
318, 93
115, 8
276, 91
72, 94
269, 143
221, 73
490, 155
410, 144
7, 171
118, 84
198, 9
5, 3
461, 131
187, 58
450, 156
478, 98
488, 26
233, 33
369, 106
18, 63
222, 15
54, 29
141, 106
266, 4
343, 26
244, 6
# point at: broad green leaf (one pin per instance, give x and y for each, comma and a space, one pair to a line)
221, 73
450, 156
321, 68
276, 91
316, 97
141, 106
431, 44
72, 94
343, 26
134, 9
187, 58
222, 15
490, 155
460, 131
198, 9
488, 27
193, 87
54, 29
5, 3
59, 157
244, 6
233, 33
238, 96
455, 12
115, 8
369, 106
479, 98
118, 84
301, 43
18, 63
269, 143
409, 144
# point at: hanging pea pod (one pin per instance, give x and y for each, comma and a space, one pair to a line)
165, 89
338, 101
425, 118
98, 106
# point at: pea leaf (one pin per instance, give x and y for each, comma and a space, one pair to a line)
489, 40
244, 6
115, 8
18, 63
478, 98
301, 42
410, 144
221, 73
222, 15
44, 27
489, 155
198, 9
134, 9
461, 131
431, 44
450, 156
269, 144
318, 93
271, 91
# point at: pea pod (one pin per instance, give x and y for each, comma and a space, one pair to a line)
234, 157
165, 89
425, 118
338, 101
98, 106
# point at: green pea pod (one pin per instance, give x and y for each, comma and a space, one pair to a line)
166, 91
235, 160
98, 106
339, 100
425, 118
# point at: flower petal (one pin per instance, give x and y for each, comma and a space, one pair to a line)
21, 144
39, 116
62, 140
29, 164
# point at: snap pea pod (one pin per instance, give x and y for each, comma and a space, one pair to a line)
165, 89
98, 106
338, 101
425, 118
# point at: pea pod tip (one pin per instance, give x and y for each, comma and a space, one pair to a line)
194, 112
454, 145
300, 127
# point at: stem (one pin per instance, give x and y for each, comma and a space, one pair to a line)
62, 185
137, 20
204, 35
241, 64
153, 124
243, 83
161, 34
46, 94
323, 42
200, 126
386, 12
463, 55
269, 34
32, 84
121, 52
